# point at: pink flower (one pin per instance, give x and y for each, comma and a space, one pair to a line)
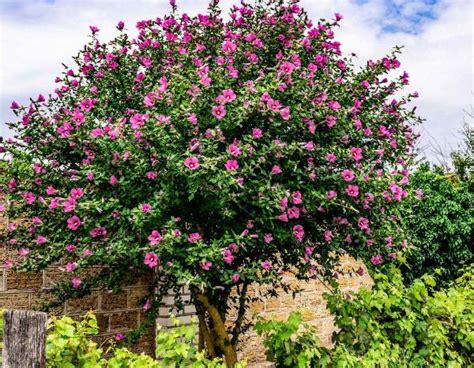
76, 193
276, 170
228, 95
206, 266
331, 157
331, 194
192, 163
256, 133
331, 121
267, 238
146, 61
14, 105
29, 198
297, 198
69, 205
119, 336
352, 190
151, 260
309, 146
347, 175
283, 217
70, 248
73, 223
356, 153
234, 150
147, 305
23, 252
363, 223
287, 67
113, 180
98, 231
155, 237
298, 232
194, 237
334, 105
266, 265
78, 118
227, 256
192, 118
50, 190
231, 165
87, 104
40, 240
285, 113
293, 213
376, 260
96, 133
218, 111
76, 282
137, 121
235, 278
328, 235
145, 207
70, 267
228, 47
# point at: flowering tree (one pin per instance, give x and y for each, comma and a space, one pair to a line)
216, 154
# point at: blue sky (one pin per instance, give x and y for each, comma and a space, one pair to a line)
36, 36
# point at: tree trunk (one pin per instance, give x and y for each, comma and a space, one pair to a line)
222, 337
24, 339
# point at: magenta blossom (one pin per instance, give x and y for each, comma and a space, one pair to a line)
352, 190
363, 223
76, 282
155, 237
151, 260
235, 278
298, 232
218, 111
376, 260
231, 165
73, 223
192, 163
194, 237
206, 266
347, 175
145, 207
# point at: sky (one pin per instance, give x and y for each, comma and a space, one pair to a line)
37, 36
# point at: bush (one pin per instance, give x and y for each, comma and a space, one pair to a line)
215, 154
440, 224
388, 326
69, 345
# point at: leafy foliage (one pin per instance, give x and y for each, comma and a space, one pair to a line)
214, 153
69, 345
388, 326
440, 224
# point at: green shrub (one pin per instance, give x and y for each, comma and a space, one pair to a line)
440, 225
69, 346
388, 326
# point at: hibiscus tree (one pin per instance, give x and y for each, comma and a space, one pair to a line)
216, 154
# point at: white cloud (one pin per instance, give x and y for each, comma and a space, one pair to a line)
38, 36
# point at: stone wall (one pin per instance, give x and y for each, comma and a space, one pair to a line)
120, 312
309, 301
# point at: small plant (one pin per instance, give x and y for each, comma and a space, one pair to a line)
177, 347
388, 326
69, 346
